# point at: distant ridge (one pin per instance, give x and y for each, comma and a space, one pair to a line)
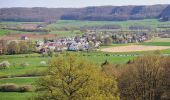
99, 13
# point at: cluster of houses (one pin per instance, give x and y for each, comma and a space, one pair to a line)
63, 44
88, 41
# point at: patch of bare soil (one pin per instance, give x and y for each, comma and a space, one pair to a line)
133, 48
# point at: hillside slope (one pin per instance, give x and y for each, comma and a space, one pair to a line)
101, 13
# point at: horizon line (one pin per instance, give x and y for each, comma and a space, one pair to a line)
84, 6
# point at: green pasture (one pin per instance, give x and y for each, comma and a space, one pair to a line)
78, 23
70, 27
20, 80
66, 33
16, 96
157, 43
158, 39
16, 62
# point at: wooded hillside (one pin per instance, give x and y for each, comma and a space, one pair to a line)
101, 13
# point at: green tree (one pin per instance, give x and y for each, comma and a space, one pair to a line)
145, 79
45, 39
72, 78
50, 53
108, 41
91, 45
31, 45
24, 47
3, 45
13, 48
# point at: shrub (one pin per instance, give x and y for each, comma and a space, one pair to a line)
32, 73
43, 63
15, 88
24, 64
25, 88
4, 65
9, 88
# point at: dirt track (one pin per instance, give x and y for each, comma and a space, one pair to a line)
133, 48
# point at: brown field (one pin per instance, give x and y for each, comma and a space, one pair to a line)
31, 36
28, 26
133, 48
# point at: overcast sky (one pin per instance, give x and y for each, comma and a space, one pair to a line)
76, 3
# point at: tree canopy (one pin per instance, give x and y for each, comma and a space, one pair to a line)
72, 78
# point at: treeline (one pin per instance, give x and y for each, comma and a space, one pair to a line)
17, 47
118, 13
145, 78
101, 27
102, 13
28, 30
69, 77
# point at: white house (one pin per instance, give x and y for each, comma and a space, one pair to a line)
73, 47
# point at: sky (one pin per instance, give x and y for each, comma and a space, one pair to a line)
76, 3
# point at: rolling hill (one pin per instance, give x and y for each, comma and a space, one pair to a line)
99, 13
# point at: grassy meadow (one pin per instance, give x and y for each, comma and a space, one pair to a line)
75, 23
70, 27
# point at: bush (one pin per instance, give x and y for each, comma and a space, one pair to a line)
15, 88
4, 65
43, 63
25, 88
32, 73
24, 64
9, 88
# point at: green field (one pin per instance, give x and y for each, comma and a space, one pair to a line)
70, 27
158, 39
20, 81
75, 23
16, 96
34, 61
157, 43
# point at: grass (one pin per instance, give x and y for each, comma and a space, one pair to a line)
61, 27
157, 43
7, 31
158, 39
99, 59
16, 96
77, 23
115, 45
66, 33
19, 81
34, 60
16, 60
95, 57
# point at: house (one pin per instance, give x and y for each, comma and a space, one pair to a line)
39, 43
60, 48
73, 47
51, 45
83, 46
1, 49
43, 51
24, 38
97, 44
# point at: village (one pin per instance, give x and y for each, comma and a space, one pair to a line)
89, 41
